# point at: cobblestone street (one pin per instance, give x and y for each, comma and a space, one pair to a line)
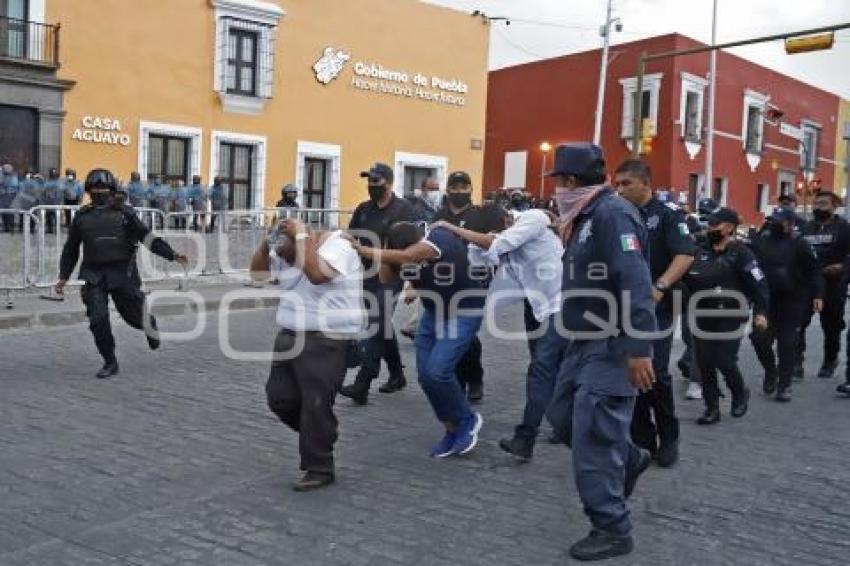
177, 461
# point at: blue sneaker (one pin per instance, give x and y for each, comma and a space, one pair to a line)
466, 436
445, 447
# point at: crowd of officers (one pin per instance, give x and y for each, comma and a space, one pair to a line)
610, 399
21, 192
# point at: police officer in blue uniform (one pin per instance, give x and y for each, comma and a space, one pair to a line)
609, 357
725, 277
73, 192
52, 196
9, 186
795, 280
110, 233
671, 252
137, 191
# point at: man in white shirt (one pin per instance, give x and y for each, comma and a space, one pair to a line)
320, 312
530, 252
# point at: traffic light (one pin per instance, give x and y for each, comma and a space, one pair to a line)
646, 137
809, 43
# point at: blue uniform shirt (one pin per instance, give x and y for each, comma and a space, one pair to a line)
668, 235
606, 254
218, 197
137, 192
448, 276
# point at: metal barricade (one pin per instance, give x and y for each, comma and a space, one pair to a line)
220, 242
16, 248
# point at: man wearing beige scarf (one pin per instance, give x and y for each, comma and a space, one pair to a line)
609, 315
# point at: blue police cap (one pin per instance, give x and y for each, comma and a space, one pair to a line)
783, 214
578, 158
377, 172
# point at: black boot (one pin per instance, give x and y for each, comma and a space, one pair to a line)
783, 395
634, 469
359, 390
769, 384
844, 388
475, 392
827, 369
521, 445
153, 335
599, 545
799, 373
710, 416
395, 383
110, 368
740, 403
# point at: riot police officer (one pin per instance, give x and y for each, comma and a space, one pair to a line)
671, 252
73, 192
794, 278
725, 273
197, 195
604, 363
829, 235
137, 191
52, 196
288, 197
219, 200
109, 234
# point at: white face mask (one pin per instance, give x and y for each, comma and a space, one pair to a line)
417, 193
434, 198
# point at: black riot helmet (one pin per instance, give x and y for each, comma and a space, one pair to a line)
101, 178
53, 173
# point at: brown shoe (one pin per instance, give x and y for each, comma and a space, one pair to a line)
313, 480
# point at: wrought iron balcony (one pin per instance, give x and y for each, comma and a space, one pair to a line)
29, 43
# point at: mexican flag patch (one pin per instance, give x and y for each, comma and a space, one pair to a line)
683, 229
630, 243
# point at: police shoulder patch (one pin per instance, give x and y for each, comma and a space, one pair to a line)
683, 229
630, 242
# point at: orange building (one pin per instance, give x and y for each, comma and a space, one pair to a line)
260, 93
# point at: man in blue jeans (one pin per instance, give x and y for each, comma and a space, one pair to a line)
453, 293
530, 253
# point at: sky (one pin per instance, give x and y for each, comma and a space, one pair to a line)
548, 28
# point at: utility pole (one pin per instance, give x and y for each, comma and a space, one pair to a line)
603, 72
712, 93
846, 137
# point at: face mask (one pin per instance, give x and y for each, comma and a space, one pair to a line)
100, 198
821, 215
715, 236
460, 200
417, 193
377, 192
777, 230
433, 198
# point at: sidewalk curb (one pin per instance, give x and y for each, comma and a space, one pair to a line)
71, 317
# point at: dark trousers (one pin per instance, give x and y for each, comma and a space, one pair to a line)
9, 221
50, 220
689, 357
469, 370
67, 213
383, 344
546, 351
301, 391
718, 356
596, 427
784, 321
130, 303
654, 421
831, 320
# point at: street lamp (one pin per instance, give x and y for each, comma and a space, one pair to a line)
545, 148
605, 32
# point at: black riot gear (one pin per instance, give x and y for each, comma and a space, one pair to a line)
100, 177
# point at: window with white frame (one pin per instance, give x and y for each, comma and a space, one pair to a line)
170, 150
439, 164
649, 103
811, 141
691, 107
753, 121
245, 32
239, 160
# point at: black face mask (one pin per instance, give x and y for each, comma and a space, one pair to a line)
777, 230
459, 200
714, 236
821, 215
377, 192
101, 198
289, 198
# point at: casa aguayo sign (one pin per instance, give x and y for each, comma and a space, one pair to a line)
97, 129
373, 77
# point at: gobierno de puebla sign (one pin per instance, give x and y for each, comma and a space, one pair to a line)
373, 77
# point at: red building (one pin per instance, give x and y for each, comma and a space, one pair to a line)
758, 111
